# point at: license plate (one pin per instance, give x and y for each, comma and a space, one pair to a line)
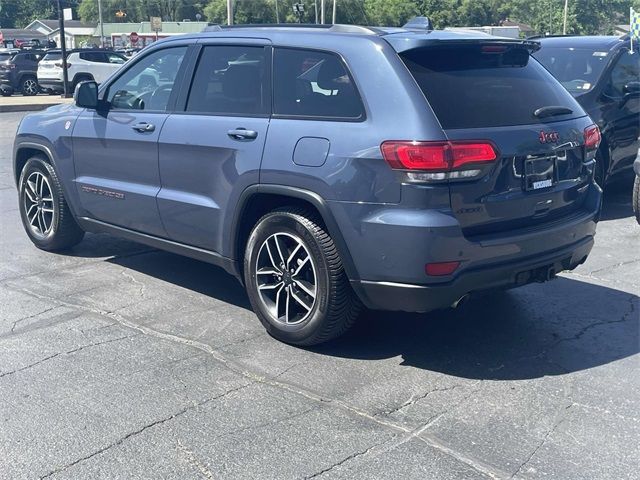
539, 173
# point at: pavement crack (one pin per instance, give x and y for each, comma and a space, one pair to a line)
140, 431
69, 352
416, 399
345, 460
141, 285
544, 440
15, 324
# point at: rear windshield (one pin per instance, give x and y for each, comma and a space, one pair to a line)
4, 57
578, 69
52, 56
486, 86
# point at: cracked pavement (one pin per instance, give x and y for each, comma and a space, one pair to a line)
119, 361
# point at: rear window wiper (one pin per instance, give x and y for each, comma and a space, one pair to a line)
552, 111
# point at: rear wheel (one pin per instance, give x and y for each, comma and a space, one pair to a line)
29, 86
636, 198
295, 279
45, 214
78, 79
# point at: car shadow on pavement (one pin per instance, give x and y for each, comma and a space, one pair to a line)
188, 273
539, 330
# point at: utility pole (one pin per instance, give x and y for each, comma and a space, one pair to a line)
322, 12
229, 12
564, 25
63, 48
315, 6
101, 26
277, 14
333, 18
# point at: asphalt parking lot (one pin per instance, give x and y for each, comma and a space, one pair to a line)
119, 361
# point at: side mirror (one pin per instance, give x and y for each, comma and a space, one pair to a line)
86, 95
632, 89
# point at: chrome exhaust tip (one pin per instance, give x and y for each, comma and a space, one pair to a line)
463, 299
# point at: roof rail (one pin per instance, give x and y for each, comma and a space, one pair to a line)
337, 28
341, 28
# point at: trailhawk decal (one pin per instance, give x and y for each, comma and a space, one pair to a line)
104, 193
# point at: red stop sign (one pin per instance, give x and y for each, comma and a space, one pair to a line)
133, 38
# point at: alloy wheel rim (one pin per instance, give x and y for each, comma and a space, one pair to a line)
38, 204
286, 278
30, 86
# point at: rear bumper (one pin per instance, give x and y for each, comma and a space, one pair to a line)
395, 243
424, 298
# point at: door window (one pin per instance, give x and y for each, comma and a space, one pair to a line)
114, 58
626, 70
147, 85
314, 84
229, 80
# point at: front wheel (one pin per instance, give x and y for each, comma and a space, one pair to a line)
45, 214
295, 279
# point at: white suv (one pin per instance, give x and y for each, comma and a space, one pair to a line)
95, 65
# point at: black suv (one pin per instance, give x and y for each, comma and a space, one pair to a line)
18, 72
603, 74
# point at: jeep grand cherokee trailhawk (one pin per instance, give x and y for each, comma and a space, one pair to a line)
325, 167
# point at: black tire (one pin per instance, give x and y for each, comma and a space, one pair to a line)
29, 86
63, 232
335, 307
636, 198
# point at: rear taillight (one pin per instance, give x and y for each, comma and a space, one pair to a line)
441, 159
59, 65
592, 137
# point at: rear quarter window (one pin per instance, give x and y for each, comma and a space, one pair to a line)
472, 86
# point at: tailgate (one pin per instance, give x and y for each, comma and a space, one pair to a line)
541, 174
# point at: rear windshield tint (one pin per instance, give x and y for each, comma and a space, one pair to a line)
53, 56
486, 86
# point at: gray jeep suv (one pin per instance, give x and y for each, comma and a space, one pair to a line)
325, 167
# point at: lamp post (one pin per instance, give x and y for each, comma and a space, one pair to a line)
63, 48
101, 24
564, 24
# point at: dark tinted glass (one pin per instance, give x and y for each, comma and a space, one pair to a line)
577, 69
229, 80
470, 87
4, 57
53, 56
313, 84
626, 70
93, 57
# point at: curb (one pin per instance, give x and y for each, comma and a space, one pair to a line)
30, 107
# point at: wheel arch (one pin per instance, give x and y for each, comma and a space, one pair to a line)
258, 200
24, 152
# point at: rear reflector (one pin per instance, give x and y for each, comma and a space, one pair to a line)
436, 156
592, 137
440, 269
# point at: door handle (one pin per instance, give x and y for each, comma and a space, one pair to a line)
144, 127
242, 134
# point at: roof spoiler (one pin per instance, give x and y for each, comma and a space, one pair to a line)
419, 23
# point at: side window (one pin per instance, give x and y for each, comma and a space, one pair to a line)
626, 70
314, 84
229, 80
148, 83
113, 58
